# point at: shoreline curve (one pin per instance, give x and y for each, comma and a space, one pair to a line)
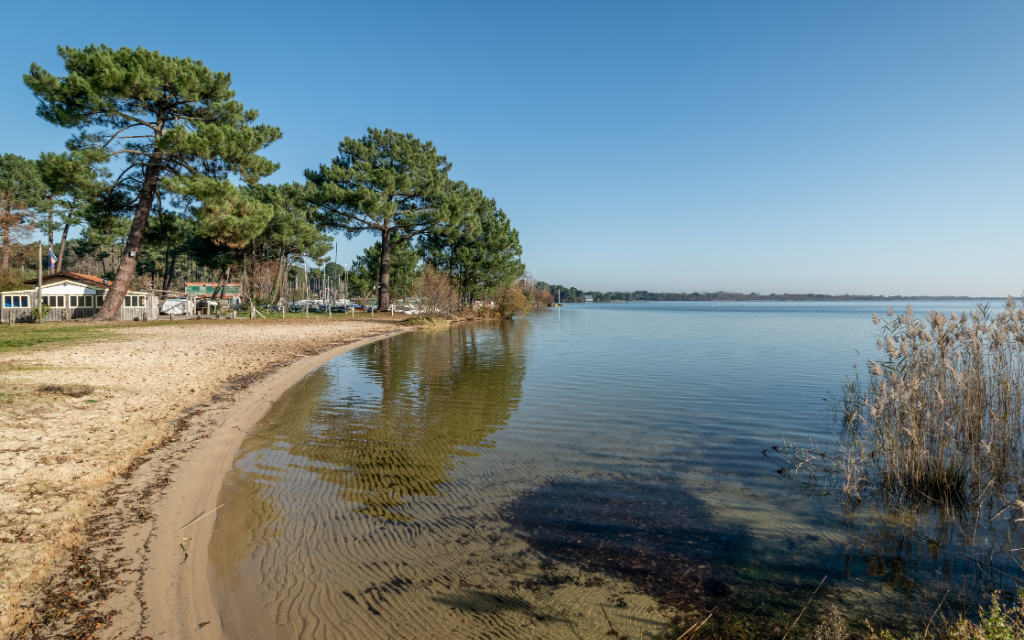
172, 597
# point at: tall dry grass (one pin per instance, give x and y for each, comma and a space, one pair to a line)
942, 419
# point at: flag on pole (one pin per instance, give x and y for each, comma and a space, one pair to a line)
53, 260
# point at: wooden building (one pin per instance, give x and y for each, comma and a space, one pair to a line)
230, 291
73, 295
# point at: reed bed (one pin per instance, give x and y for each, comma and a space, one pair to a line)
942, 419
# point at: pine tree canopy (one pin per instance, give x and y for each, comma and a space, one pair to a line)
176, 125
20, 179
481, 256
21, 189
390, 184
291, 230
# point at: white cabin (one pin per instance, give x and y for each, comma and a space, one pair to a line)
71, 296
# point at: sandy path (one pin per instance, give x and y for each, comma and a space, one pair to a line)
65, 462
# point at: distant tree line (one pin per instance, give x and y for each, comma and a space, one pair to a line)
572, 294
163, 175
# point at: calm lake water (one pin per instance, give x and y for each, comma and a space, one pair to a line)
588, 466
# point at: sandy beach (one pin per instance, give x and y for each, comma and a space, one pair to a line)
82, 478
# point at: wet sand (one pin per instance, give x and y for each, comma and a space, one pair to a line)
97, 492
368, 503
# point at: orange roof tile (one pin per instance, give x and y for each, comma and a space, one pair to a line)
71, 275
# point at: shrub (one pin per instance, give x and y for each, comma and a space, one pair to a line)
436, 291
40, 312
511, 302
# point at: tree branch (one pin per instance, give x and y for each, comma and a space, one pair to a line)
114, 136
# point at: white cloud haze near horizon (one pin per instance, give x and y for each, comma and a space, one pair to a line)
863, 148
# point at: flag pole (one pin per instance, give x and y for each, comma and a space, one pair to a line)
39, 287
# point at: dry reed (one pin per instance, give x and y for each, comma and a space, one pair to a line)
942, 420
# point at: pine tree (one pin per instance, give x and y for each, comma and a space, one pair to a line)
21, 190
390, 184
72, 182
482, 256
177, 126
290, 234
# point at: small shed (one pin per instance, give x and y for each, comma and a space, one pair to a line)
72, 295
230, 291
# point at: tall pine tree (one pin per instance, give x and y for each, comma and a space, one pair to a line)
390, 184
72, 182
177, 126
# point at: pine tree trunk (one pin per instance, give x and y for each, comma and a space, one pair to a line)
170, 272
383, 295
277, 281
167, 265
63, 243
5, 262
223, 284
49, 231
114, 298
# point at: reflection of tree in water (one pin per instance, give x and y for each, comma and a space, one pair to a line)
441, 395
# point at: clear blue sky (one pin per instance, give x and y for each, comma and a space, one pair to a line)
832, 147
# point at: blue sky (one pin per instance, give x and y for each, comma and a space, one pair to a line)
833, 147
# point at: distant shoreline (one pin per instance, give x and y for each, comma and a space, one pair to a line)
808, 298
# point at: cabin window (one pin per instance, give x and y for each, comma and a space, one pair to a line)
88, 301
99, 300
24, 301
7, 301
74, 301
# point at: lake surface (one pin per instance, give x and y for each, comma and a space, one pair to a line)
586, 467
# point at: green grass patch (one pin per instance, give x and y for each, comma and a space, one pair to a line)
36, 336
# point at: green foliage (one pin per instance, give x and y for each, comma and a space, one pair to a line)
405, 268
290, 234
390, 184
13, 279
21, 180
290, 228
190, 122
179, 131
998, 623
482, 253
73, 182
40, 312
21, 189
